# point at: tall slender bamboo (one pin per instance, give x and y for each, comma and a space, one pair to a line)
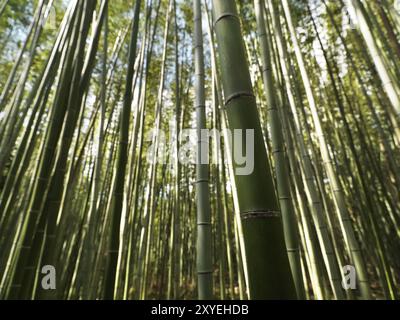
204, 246
344, 218
391, 87
281, 165
122, 160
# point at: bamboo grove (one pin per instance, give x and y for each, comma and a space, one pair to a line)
96, 97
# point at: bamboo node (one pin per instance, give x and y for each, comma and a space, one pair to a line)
204, 224
225, 15
202, 181
261, 214
238, 95
204, 272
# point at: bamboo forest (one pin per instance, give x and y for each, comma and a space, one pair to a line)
199, 150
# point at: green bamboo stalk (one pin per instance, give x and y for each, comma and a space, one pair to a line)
121, 162
3, 6
392, 89
281, 165
204, 246
43, 172
262, 225
310, 184
338, 196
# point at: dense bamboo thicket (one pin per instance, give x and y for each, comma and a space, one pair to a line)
203, 149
